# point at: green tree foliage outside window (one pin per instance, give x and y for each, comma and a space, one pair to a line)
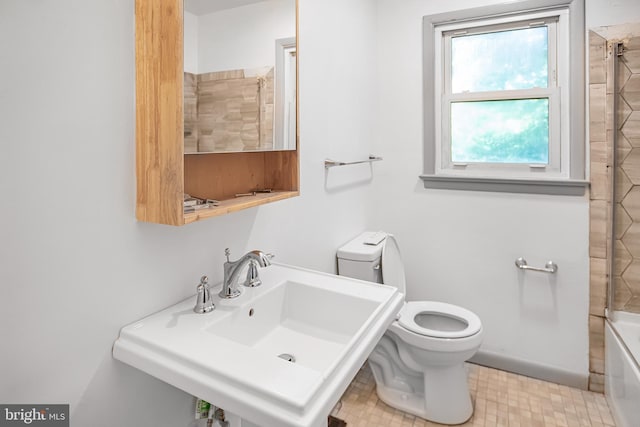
500, 131
511, 131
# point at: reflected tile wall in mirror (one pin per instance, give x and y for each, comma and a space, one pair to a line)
235, 61
233, 112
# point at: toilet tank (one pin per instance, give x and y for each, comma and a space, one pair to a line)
360, 260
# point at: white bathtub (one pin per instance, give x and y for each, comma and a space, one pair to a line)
622, 375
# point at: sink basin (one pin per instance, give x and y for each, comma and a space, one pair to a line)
279, 355
296, 319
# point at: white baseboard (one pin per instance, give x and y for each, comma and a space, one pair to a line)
531, 369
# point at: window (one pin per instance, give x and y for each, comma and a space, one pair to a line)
505, 108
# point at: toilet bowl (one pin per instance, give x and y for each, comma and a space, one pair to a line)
418, 365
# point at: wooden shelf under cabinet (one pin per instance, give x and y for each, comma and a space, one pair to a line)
164, 173
237, 204
221, 176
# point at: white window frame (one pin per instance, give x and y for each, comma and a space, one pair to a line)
564, 174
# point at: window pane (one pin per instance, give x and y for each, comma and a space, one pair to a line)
511, 131
505, 60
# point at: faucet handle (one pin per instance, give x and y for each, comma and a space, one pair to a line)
253, 279
204, 304
227, 253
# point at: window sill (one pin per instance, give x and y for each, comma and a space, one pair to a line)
568, 187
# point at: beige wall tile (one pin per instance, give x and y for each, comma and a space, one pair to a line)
610, 239
598, 286
623, 148
631, 203
596, 344
631, 165
598, 228
631, 91
623, 184
597, 130
623, 112
599, 177
631, 239
632, 59
597, 55
221, 75
598, 152
597, 109
610, 144
623, 75
631, 277
633, 305
621, 293
633, 43
609, 116
622, 258
627, 172
190, 113
611, 65
596, 384
229, 107
622, 221
631, 130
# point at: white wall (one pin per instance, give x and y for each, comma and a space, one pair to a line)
460, 246
75, 265
611, 12
190, 43
244, 37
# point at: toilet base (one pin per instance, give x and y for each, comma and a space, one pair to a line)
436, 391
447, 405
447, 394
413, 404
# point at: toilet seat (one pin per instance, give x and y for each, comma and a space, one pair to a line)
392, 266
469, 323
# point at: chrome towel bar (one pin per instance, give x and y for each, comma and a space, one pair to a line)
328, 163
550, 267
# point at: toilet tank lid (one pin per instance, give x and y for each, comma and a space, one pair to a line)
357, 250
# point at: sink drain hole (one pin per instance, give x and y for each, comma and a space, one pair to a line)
288, 357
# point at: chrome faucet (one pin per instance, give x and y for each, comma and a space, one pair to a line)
232, 271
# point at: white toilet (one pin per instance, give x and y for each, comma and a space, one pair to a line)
418, 364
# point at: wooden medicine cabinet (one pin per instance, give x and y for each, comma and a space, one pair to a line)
164, 172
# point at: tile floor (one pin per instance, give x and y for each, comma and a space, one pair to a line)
500, 399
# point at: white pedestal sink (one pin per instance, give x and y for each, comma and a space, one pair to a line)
237, 356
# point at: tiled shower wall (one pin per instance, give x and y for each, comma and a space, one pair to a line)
190, 89
228, 111
626, 252
612, 92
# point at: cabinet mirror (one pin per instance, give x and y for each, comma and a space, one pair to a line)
239, 76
